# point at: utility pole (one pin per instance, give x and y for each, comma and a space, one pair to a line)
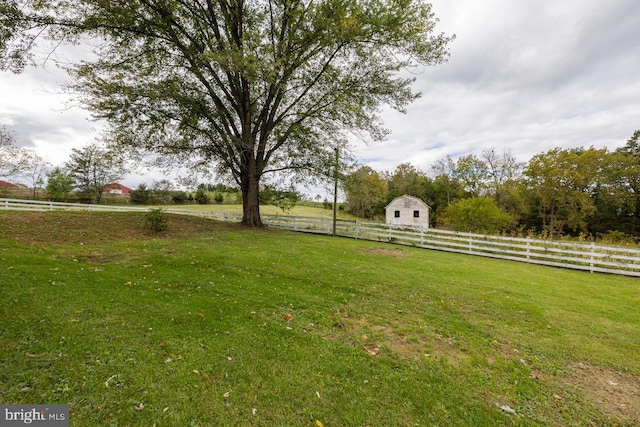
335, 191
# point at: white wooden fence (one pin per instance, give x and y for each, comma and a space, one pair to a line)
589, 257
37, 205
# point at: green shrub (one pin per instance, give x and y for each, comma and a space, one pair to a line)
180, 198
476, 215
202, 197
140, 196
156, 221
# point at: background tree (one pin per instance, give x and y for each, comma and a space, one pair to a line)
632, 147
513, 201
163, 190
34, 170
284, 199
407, 179
613, 195
476, 215
626, 180
13, 160
92, 168
141, 195
202, 197
180, 197
444, 189
560, 184
366, 192
502, 169
254, 87
6, 138
472, 173
6, 158
59, 185
444, 171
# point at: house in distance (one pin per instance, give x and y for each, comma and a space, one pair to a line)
5, 184
116, 189
407, 210
8, 189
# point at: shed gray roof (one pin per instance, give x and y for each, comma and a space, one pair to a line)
406, 196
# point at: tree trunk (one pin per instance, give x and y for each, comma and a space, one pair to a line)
249, 185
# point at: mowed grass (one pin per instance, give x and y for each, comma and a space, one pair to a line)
211, 324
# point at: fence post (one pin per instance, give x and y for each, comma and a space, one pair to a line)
591, 265
470, 243
355, 230
528, 247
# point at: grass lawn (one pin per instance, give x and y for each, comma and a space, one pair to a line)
210, 324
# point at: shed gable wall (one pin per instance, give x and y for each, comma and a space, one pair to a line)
402, 211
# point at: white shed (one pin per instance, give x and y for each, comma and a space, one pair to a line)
407, 210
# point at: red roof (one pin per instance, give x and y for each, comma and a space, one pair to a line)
7, 184
115, 187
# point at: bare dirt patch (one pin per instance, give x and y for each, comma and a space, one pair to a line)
614, 393
374, 338
392, 252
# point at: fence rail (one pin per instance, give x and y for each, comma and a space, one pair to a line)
573, 255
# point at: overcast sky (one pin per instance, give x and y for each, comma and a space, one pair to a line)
523, 75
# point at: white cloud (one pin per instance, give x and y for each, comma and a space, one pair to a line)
524, 76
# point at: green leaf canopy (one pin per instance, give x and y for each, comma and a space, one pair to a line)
251, 87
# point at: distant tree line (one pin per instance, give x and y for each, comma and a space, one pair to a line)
23, 163
578, 191
285, 199
162, 193
84, 177
90, 169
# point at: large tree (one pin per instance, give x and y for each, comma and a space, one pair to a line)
253, 86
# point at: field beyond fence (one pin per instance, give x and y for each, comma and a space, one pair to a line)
574, 255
